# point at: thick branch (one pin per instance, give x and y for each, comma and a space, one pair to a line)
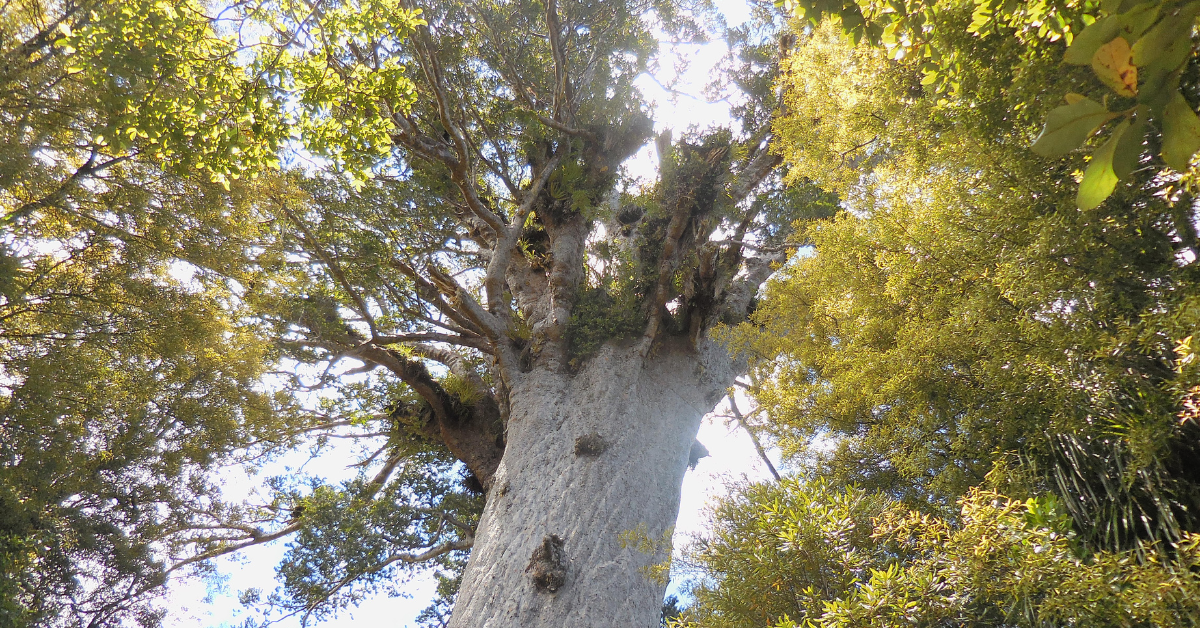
89, 169
756, 271
562, 96
464, 341
473, 433
508, 245
492, 328
757, 169
456, 363
430, 293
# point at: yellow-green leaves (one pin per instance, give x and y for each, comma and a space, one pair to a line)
1181, 133
1138, 52
162, 83
1115, 160
1099, 180
1067, 127
349, 78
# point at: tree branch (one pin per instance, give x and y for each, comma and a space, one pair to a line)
562, 95
334, 268
461, 171
762, 453
497, 269
464, 341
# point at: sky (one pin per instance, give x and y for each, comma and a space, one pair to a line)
196, 604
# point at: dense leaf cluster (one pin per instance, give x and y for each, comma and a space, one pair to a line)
800, 553
967, 313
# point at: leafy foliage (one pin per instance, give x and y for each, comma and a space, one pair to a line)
123, 387
93, 84
998, 561
783, 550
131, 368
962, 307
967, 308
357, 539
1139, 52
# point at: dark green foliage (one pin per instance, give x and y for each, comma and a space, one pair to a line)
356, 536
122, 388
1119, 503
437, 614
671, 610
601, 314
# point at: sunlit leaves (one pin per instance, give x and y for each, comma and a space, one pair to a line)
961, 272
783, 550
345, 67
1100, 178
168, 86
1068, 126
1012, 562
1097, 34
1160, 33
122, 387
1016, 560
1135, 49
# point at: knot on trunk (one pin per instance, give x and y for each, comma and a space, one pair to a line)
698, 451
590, 445
548, 565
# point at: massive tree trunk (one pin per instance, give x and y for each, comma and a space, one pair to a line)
577, 527
547, 313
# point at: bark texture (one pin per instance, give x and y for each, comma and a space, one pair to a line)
612, 505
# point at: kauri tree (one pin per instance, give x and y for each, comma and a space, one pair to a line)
540, 316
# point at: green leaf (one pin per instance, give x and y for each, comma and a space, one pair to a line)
1163, 36
1099, 180
1129, 149
1177, 51
1068, 126
1181, 133
1097, 34
1135, 21
1158, 85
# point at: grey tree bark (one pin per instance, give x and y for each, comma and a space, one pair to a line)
578, 522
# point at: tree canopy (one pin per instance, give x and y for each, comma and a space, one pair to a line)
1007, 367
452, 218
235, 231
